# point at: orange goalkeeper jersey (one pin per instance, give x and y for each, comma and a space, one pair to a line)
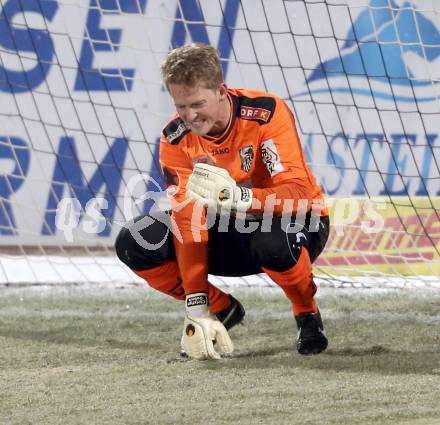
260, 149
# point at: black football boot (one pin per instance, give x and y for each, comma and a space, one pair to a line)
311, 337
232, 315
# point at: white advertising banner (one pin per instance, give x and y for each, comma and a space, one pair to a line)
82, 104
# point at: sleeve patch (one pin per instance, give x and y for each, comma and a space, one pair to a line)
249, 113
258, 109
271, 157
175, 130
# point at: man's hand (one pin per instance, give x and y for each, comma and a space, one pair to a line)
201, 329
213, 187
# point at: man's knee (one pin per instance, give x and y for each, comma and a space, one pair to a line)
280, 249
123, 246
318, 238
146, 248
273, 252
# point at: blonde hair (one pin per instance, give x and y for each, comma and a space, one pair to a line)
192, 64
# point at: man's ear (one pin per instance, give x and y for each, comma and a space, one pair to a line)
223, 91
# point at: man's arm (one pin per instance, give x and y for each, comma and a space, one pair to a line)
201, 328
289, 188
192, 245
291, 182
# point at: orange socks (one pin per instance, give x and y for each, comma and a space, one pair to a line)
166, 278
298, 285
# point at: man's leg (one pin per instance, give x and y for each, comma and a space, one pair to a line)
284, 256
297, 283
148, 250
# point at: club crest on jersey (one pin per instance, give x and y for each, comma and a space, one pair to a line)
247, 156
250, 113
271, 157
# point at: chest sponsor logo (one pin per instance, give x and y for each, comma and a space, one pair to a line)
246, 156
271, 158
248, 113
220, 151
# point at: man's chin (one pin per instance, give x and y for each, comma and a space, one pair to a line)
200, 131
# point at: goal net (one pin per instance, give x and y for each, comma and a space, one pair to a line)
82, 106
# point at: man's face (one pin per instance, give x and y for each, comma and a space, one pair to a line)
203, 110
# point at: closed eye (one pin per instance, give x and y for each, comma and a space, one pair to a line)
193, 105
197, 104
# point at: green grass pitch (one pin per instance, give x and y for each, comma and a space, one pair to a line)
84, 355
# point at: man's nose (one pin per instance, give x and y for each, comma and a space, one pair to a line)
190, 114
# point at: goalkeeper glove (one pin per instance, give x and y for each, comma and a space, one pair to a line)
213, 187
201, 329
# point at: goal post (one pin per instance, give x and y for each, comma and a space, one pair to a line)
82, 107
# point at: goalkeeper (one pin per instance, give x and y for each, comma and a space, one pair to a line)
233, 154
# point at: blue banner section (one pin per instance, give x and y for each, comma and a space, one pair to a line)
21, 40
98, 39
17, 152
384, 166
191, 27
375, 48
68, 173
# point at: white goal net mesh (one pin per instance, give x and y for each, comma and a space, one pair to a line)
82, 106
